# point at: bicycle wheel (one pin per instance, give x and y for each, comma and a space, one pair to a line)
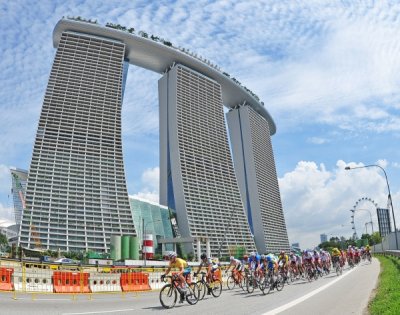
216, 288
202, 289
242, 283
261, 284
337, 267
250, 284
168, 296
230, 283
192, 293
279, 284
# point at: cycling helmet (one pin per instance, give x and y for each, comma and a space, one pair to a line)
245, 257
269, 258
203, 256
231, 258
282, 252
263, 257
252, 254
172, 254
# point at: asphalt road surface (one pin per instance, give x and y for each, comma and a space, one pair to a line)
346, 294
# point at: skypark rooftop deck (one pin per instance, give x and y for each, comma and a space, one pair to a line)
157, 57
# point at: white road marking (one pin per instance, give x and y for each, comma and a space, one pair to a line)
100, 312
307, 296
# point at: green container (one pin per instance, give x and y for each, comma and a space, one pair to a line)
115, 247
125, 247
134, 248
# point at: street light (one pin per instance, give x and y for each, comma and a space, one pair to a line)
347, 168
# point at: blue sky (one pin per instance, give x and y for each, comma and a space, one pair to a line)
328, 72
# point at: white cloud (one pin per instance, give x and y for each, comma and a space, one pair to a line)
317, 140
150, 185
318, 201
7, 214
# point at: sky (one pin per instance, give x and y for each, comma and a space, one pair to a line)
327, 71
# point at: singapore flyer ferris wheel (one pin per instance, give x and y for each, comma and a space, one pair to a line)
358, 207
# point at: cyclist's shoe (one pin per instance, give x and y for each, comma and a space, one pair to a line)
209, 291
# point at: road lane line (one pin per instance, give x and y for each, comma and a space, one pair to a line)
307, 296
100, 312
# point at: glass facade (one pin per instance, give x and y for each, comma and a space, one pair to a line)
156, 221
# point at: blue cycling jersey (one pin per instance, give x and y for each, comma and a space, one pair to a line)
254, 261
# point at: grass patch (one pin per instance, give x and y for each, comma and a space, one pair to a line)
387, 298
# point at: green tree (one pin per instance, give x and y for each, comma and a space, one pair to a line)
376, 238
3, 240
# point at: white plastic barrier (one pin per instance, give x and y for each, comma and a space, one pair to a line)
155, 280
36, 280
105, 282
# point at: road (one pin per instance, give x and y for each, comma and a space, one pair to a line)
347, 294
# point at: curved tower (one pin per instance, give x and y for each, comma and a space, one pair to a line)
76, 195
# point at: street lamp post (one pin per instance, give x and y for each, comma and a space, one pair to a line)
389, 196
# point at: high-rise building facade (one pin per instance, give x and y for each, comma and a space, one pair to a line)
18, 188
256, 174
384, 221
323, 238
76, 194
197, 177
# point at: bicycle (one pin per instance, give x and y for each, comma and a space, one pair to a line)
214, 287
337, 266
169, 292
236, 278
271, 283
369, 257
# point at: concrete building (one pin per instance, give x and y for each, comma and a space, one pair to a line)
76, 194
256, 173
197, 177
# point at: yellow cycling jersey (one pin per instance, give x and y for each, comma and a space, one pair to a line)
178, 263
335, 252
284, 258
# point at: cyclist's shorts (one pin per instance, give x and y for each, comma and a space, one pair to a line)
186, 271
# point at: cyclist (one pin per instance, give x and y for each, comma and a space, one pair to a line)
317, 261
285, 262
271, 265
254, 262
299, 263
326, 261
308, 260
208, 263
184, 270
293, 262
237, 266
336, 254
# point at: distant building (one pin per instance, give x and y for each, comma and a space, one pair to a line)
324, 238
156, 219
295, 245
19, 179
383, 221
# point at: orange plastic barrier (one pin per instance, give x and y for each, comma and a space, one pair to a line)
218, 274
135, 281
70, 282
5, 279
